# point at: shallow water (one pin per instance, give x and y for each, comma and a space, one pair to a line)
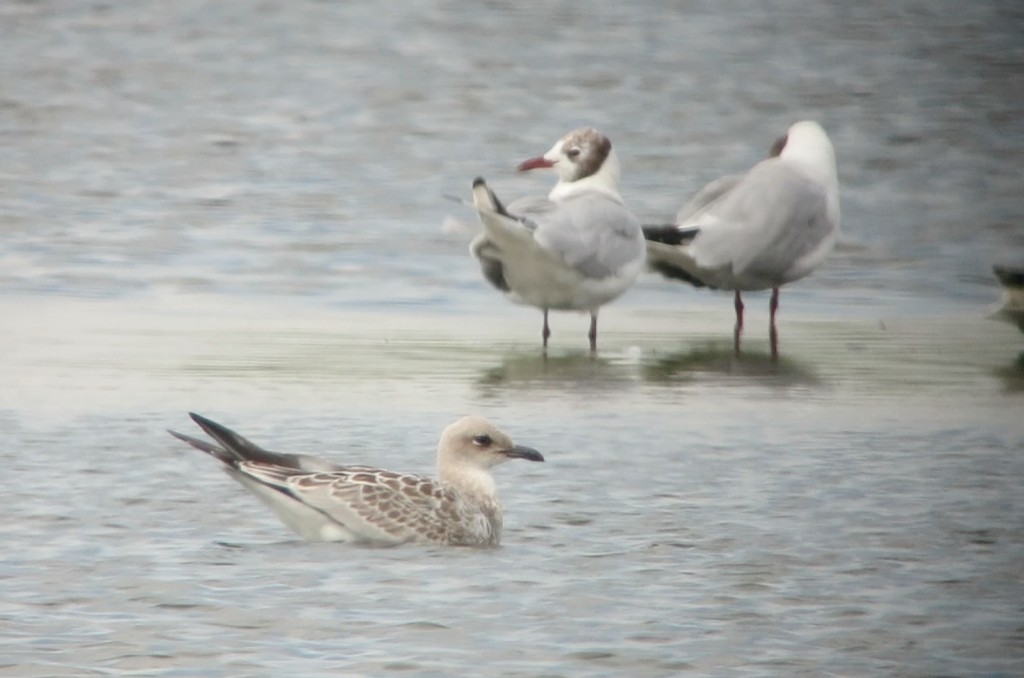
238, 212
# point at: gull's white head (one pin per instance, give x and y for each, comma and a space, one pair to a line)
806, 143
579, 155
475, 443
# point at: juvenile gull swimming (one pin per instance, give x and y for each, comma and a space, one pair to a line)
576, 249
760, 230
321, 501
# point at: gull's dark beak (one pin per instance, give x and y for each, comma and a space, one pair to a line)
523, 452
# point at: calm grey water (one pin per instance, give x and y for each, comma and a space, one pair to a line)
236, 208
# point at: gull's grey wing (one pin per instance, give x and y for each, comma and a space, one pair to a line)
707, 195
530, 208
592, 232
765, 224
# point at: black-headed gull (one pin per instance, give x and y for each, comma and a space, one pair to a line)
322, 501
760, 230
574, 250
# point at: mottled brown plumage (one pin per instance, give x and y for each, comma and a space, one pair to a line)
325, 502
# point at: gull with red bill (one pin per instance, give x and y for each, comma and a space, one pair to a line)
575, 249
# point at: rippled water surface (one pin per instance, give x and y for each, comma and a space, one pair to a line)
237, 208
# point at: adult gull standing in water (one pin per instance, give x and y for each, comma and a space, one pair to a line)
576, 249
757, 231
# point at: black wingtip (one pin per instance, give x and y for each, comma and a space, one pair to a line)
498, 206
236, 447
203, 446
211, 427
199, 419
676, 273
669, 234
231, 441
659, 232
1009, 276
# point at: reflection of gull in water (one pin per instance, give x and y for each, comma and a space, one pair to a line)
758, 231
579, 373
322, 501
1012, 280
578, 376
723, 360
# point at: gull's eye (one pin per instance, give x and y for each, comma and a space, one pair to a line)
483, 440
572, 153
